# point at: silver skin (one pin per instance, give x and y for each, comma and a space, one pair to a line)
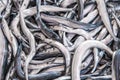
104, 16
3, 51
31, 41
10, 37
80, 52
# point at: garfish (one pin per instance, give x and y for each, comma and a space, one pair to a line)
80, 52
104, 16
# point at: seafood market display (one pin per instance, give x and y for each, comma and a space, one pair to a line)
59, 39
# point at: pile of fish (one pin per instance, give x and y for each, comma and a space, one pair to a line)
59, 39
